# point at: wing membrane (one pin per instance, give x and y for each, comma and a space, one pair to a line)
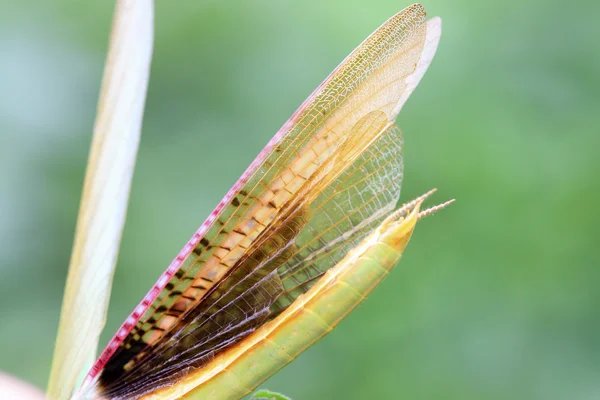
358, 197
312, 193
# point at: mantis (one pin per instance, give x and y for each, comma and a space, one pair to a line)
304, 235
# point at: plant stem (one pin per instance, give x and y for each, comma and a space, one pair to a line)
105, 194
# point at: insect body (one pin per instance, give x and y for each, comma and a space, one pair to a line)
327, 180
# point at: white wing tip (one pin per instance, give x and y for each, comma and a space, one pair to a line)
432, 39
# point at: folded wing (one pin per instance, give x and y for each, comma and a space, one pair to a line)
331, 174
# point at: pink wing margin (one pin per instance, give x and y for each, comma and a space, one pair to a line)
149, 298
430, 46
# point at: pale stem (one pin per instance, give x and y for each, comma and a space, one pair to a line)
105, 194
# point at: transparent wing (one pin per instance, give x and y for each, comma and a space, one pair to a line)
356, 202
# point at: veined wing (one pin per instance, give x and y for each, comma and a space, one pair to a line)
252, 256
310, 237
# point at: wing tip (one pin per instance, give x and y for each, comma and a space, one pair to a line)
434, 27
432, 39
417, 7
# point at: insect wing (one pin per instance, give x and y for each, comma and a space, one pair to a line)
327, 177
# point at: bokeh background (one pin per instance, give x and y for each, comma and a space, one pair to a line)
497, 297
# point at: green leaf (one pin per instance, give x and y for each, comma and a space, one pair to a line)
265, 394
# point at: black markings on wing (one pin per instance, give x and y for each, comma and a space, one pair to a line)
294, 256
232, 309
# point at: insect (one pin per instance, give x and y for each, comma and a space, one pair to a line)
327, 183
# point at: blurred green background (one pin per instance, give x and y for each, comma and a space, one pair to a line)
496, 297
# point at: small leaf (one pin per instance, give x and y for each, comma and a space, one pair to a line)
265, 394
